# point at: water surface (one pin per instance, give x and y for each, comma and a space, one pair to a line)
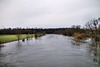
49, 51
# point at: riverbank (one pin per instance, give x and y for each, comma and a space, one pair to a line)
10, 38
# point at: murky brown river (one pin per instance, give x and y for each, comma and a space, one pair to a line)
49, 51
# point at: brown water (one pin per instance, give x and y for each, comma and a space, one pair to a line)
49, 51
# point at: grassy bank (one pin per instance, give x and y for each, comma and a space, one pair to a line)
9, 38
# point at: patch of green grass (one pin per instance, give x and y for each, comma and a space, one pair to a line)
9, 38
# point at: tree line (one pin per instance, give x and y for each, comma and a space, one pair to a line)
65, 31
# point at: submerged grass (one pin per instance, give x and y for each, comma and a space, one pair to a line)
9, 38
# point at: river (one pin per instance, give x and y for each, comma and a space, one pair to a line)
50, 50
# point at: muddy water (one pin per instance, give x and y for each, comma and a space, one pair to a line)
49, 51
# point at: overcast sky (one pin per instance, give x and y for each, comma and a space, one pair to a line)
47, 13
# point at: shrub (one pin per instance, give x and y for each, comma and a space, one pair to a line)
80, 36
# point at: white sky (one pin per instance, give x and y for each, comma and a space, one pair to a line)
47, 13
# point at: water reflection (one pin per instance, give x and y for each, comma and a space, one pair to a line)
18, 45
76, 44
27, 39
23, 40
1, 45
95, 51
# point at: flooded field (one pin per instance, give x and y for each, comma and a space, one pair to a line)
50, 51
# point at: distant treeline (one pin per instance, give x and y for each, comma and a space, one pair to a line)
28, 30
65, 31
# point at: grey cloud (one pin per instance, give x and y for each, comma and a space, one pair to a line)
47, 13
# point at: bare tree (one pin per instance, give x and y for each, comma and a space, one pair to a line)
93, 28
18, 34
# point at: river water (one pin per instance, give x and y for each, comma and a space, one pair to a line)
49, 51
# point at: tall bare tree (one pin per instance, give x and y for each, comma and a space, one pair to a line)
93, 28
